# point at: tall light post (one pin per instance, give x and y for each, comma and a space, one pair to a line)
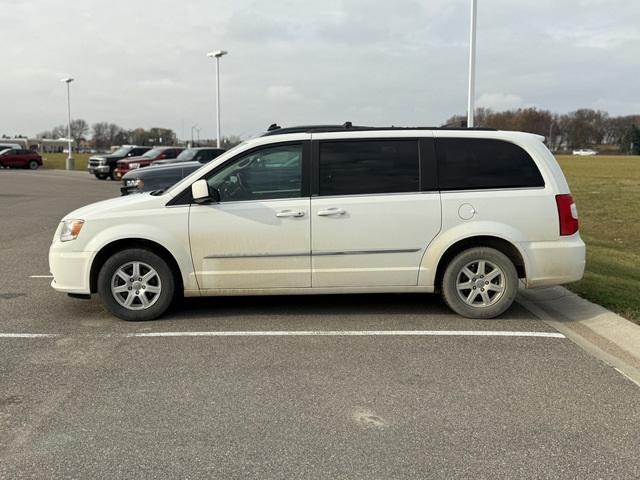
69, 164
217, 54
193, 127
472, 64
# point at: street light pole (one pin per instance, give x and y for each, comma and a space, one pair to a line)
472, 64
69, 163
217, 56
192, 129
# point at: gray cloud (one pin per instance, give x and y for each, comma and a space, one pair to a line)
140, 63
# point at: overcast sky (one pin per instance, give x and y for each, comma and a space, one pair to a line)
402, 62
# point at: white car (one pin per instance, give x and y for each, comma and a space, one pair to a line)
585, 152
342, 209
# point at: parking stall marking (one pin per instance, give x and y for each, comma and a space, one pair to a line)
300, 333
29, 335
349, 333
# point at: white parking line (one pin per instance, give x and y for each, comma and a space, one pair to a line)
28, 335
40, 276
351, 333
303, 333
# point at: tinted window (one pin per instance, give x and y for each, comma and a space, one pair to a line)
465, 163
361, 167
274, 172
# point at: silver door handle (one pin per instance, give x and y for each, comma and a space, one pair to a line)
290, 213
331, 211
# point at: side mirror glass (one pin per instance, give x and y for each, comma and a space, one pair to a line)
201, 192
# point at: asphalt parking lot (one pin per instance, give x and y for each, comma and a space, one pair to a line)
371, 387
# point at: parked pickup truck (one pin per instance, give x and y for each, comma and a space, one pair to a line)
103, 166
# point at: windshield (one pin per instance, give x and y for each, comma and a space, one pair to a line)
153, 153
187, 155
6, 150
121, 152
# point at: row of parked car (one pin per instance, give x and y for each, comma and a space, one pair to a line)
170, 164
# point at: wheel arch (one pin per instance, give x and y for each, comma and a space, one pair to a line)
504, 246
117, 245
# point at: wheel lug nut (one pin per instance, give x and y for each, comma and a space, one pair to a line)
486, 283
131, 279
143, 287
129, 288
473, 279
474, 288
137, 292
139, 279
482, 289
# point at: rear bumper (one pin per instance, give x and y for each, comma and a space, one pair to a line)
554, 263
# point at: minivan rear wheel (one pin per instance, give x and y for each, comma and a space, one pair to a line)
480, 282
136, 285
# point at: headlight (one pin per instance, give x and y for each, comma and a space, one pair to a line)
70, 230
136, 182
134, 165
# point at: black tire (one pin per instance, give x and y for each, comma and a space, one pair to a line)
136, 312
101, 176
112, 174
483, 298
32, 165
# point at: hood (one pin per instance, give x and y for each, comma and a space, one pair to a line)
114, 205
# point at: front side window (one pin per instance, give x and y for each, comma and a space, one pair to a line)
268, 173
357, 167
468, 164
153, 153
187, 155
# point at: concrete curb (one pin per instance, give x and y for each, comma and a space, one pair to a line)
602, 333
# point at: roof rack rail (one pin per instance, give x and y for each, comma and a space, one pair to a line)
275, 129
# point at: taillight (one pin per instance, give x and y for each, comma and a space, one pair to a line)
567, 214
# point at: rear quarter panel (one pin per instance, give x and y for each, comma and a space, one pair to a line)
517, 215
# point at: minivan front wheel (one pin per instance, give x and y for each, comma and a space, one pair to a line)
480, 283
136, 285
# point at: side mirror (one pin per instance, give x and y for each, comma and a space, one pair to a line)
201, 192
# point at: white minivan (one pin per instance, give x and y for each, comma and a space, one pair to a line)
335, 209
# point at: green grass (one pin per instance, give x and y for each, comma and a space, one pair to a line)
607, 192
56, 160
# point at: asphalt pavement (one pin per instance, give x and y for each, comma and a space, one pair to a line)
345, 386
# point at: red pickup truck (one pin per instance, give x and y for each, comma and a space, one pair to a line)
158, 153
14, 158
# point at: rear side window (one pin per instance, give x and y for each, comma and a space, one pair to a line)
469, 163
363, 167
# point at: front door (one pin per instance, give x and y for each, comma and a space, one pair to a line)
370, 222
258, 236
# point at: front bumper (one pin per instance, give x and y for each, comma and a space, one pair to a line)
97, 168
118, 173
71, 270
